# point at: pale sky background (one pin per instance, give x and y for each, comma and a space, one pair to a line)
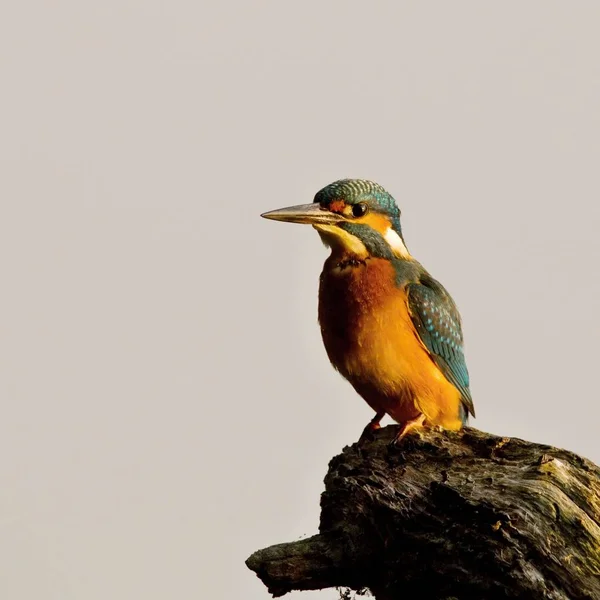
167, 405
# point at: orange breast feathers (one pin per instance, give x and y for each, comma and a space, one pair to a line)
370, 339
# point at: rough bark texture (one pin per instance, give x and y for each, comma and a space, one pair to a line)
449, 516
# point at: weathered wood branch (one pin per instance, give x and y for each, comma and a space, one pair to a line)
449, 516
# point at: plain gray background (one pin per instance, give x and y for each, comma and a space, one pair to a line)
167, 406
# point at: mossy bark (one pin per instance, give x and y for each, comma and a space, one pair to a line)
449, 515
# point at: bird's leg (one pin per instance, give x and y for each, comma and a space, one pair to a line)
408, 426
373, 424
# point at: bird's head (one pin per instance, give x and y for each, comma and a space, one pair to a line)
353, 216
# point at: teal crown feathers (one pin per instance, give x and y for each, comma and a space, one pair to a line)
353, 191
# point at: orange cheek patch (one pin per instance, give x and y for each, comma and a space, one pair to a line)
337, 206
378, 222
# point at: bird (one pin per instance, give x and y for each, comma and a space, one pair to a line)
388, 327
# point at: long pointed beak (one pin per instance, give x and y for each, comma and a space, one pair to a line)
312, 214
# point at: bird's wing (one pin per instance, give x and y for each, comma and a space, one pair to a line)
438, 326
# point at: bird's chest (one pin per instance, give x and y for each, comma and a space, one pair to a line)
366, 327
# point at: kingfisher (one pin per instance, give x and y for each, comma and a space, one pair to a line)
389, 327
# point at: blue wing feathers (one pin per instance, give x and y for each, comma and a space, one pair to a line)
438, 325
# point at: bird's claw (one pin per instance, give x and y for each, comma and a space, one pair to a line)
405, 428
368, 435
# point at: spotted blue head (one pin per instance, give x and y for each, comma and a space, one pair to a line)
353, 216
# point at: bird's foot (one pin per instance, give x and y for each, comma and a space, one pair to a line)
406, 427
373, 425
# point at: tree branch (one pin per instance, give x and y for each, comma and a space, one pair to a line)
450, 515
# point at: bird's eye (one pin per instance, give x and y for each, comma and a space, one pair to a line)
360, 209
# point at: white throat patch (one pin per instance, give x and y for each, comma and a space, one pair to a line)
339, 240
396, 244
